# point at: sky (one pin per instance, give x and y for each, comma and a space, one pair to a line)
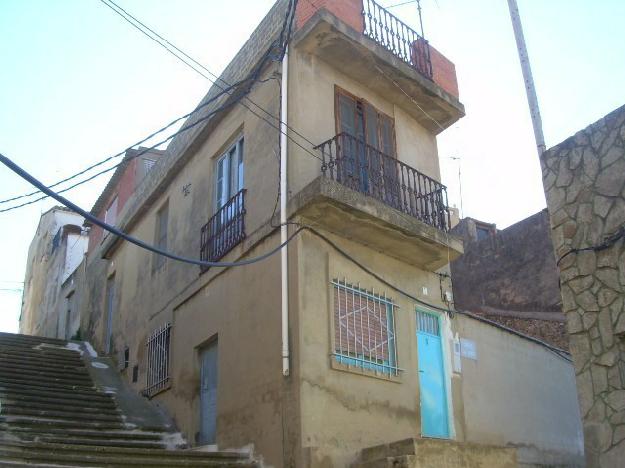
79, 84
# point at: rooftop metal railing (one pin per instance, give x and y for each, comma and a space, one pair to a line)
363, 168
397, 37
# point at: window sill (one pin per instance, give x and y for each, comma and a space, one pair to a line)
149, 394
354, 369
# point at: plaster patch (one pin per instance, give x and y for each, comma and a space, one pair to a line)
99, 365
90, 349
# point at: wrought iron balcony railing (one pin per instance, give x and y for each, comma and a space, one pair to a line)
363, 168
396, 36
224, 230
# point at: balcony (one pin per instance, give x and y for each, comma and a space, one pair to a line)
367, 43
224, 230
397, 37
363, 168
369, 197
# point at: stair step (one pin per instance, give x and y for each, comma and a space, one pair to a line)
19, 398
38, 361
108, 442
85, 408
50, 368
70, 393
95, 455
30, 373
4, 336
44, 384
59, 423
112, 434
63, 414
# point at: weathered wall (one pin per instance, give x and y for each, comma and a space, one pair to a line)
44, 272
519, 393
511, 277
312, 87
513, 269
343, 412
585, 187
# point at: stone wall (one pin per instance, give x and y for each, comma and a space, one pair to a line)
510, 276
584, 180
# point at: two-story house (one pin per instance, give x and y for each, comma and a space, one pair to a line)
352, 342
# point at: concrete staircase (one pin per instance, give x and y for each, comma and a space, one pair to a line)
429, 453
54, 411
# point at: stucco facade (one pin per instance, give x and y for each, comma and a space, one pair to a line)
390, 250
55, 252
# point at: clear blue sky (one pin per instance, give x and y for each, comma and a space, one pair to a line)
79, 84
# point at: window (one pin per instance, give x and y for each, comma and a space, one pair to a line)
364, 329
367, 160
360, 119
148, 164
158, 361
160, 236
110, 216
229, 173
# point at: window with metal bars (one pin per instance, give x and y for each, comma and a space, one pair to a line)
364, 329
158, 361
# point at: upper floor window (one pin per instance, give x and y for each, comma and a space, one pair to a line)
110, 216
229, 174
361, 120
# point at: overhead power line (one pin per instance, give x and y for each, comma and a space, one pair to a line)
230, 89
121, 153
112, 229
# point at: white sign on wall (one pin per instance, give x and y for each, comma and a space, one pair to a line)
468, 349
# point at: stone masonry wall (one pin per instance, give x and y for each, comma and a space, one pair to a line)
584, 181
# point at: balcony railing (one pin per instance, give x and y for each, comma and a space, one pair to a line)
396, 36
224, 230
363, 168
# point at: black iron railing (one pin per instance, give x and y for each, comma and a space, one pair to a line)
224, 230
363, 168
396, 36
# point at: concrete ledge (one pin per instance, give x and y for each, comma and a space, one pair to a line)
356, 55
350, 214
422, 453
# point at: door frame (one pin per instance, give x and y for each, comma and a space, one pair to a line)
199, 349
444, 329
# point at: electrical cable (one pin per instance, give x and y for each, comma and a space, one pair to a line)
29, 178
608, 242
165, 43
112, 229
121, 153
252, 76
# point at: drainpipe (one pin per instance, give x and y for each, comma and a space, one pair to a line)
284, 253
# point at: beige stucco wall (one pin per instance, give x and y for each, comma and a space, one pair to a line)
311, 113
343, 412
520, 393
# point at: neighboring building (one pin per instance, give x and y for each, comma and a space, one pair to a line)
584, 180
376, 355
510, 276
124, 182
55, 252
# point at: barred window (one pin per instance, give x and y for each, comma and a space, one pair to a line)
364, 329
158, 361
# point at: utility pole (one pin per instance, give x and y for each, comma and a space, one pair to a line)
532, 100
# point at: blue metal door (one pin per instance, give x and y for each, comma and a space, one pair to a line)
434, 421
208, 394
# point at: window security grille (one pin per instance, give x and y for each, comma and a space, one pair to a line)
158, 361
364, 329
427, 323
